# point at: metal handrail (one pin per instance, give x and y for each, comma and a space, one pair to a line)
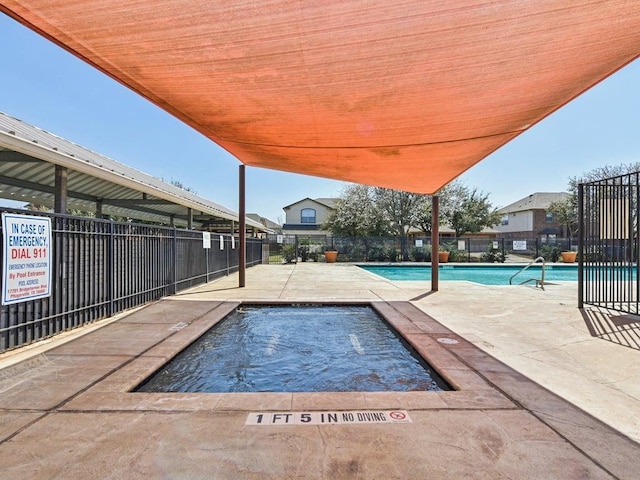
538, 281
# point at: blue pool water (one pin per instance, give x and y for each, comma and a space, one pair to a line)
297, 349
486, 275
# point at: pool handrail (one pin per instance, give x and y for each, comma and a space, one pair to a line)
539, 281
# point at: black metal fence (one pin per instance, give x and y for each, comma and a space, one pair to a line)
101, 267
292, 248
608, 215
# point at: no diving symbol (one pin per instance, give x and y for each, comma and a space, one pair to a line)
397, 415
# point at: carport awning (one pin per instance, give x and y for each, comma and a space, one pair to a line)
406, 94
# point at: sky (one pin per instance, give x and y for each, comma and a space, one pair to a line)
45, 86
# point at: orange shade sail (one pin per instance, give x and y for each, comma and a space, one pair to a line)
404, 94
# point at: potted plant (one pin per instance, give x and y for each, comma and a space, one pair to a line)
330, 255
443, 253
568, 257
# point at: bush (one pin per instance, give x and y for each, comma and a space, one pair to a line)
289, 253
418, 254
377, 253
550, 253
493, 255
392, 254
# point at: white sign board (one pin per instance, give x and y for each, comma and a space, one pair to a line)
206, 240
462, 245
519, 244
495, 245
233, 242
280, 239
328, 418
221, 242
26, 258
418, 243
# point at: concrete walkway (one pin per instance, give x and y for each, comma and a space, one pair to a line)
544, 391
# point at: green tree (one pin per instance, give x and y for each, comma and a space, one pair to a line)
566, 211
356, 214
469, 211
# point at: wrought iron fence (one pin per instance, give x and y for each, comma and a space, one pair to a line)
101, 267
296, 248
608, 216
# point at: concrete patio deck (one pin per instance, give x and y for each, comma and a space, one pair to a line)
544, 391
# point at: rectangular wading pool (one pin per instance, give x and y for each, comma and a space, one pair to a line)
298, 348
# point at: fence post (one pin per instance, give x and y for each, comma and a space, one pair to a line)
581, 239
111, 255
206, 259
175, 261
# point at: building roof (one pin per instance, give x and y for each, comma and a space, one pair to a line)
264, 221
327, 202
405, 95
28, 157
535, 201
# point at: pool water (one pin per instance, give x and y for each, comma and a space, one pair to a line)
297, 349
486, 274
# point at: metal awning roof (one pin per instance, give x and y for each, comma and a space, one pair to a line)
28, 156
403, 94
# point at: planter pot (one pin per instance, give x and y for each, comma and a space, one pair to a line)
568, 257
331, 256
443, 257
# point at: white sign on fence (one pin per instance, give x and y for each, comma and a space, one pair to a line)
519, 244
26, 258
280, 239
221, 242
495, 245
462, 245
206, 240
418, 243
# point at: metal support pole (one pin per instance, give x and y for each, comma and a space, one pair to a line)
189, 218
242, 258
60, 196
435, 242
581, 239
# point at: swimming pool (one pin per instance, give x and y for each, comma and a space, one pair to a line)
484, 274
310, 348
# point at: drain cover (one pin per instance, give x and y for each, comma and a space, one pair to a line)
448, 341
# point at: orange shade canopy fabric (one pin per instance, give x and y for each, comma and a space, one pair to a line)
405, 94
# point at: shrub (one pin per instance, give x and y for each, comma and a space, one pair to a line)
493, 255
418, 254
392, 254
289, 253
550, 253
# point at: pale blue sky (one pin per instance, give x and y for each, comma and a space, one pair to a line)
43, 85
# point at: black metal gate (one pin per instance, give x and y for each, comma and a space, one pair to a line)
608, 250
294, 248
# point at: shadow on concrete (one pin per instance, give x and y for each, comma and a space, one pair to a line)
420, 297
615, 327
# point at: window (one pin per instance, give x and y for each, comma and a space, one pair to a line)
308, 215
549, 217
504, 220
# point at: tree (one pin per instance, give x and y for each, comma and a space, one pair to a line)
600, 173
566, 211
356, 214
469, 211
399, 211
179, 184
